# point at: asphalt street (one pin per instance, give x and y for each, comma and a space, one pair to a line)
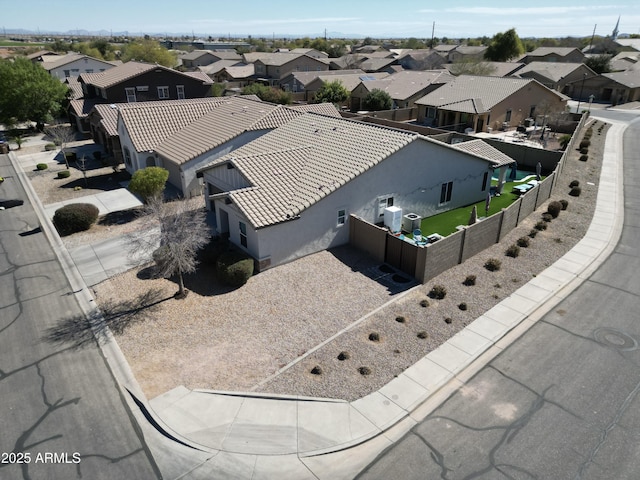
63, 415
563, 401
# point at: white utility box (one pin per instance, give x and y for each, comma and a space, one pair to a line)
393, 218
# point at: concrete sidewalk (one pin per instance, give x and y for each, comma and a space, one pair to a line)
107, 202
296, 437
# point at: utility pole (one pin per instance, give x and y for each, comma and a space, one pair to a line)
592, 35
433, 30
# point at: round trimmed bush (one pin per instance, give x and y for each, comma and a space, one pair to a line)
533, 232
64, 174
42, 166
234, 268
574, 183
575, 192
554, 208
50, 146
584, 158
541, 225
564, 203
585, 144
523, 242
75, 217
584, 150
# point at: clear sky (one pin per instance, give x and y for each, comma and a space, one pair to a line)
373, 18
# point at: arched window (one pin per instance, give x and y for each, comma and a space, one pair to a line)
151, 162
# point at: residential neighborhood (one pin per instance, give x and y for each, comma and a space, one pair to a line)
271, 256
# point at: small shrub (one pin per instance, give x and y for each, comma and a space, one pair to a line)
585, 144
546, 217
513, 251
584, 150
462, 306
584, 158
342, 356
575, 192
71, 156
317, 370
42, 166
493, 264
364, 371
523, 242
554, 208
374, 337
424, 303
64, 174
469, 281
75, 217
497, 285
422, 335
438, 292
564, 141
564, 203
148, 182
50, 146
234, 268
448, 320
400, 319
533, 232
541, 225
574, 183
77, 188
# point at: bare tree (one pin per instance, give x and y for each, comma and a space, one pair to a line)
61, 134
179, 228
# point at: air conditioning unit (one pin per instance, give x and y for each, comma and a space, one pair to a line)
411, 222
393, 218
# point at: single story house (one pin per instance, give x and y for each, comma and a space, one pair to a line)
423, 59
273, 67
554, 54
487, 103
615, 87
403, 87
349, 81
199, 58
464, 53
290, 192
149, 138
556, 76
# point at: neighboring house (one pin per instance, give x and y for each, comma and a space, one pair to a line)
556, 75
271, 68
427, 59
310, 52
464, 53
404, 87
378, 64
73, 65
299, 81
629, 44
615, 88
486, 103
154, 137
136, 82
40, 55
624, 61
554, 54
200, 58
175, 114
290, 192
348, 80
495, 69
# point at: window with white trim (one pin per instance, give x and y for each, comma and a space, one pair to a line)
163, 93
243, 233
342, 217
180, 91
445, 192
131, 94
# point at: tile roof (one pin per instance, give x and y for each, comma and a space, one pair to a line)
128, 70
69, 58
83, 106
228, 120
405, 84
215, 67
551, 70
223, 55
277, 58
307, 77
352, 80
375, 64
150, 123
108, 117
296, 165
75, 86
628, 78
198, 75
482, 149
475, 94
542, 51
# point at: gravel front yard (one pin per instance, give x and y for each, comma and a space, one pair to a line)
238, 339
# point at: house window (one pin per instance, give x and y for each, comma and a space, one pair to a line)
127, 156
131, 94
485, 177
507, 117
445, 192
180, 91
342, 217
431, 112
66, 73
384, 202
243, 233
163, 93
532, 111
89, 70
